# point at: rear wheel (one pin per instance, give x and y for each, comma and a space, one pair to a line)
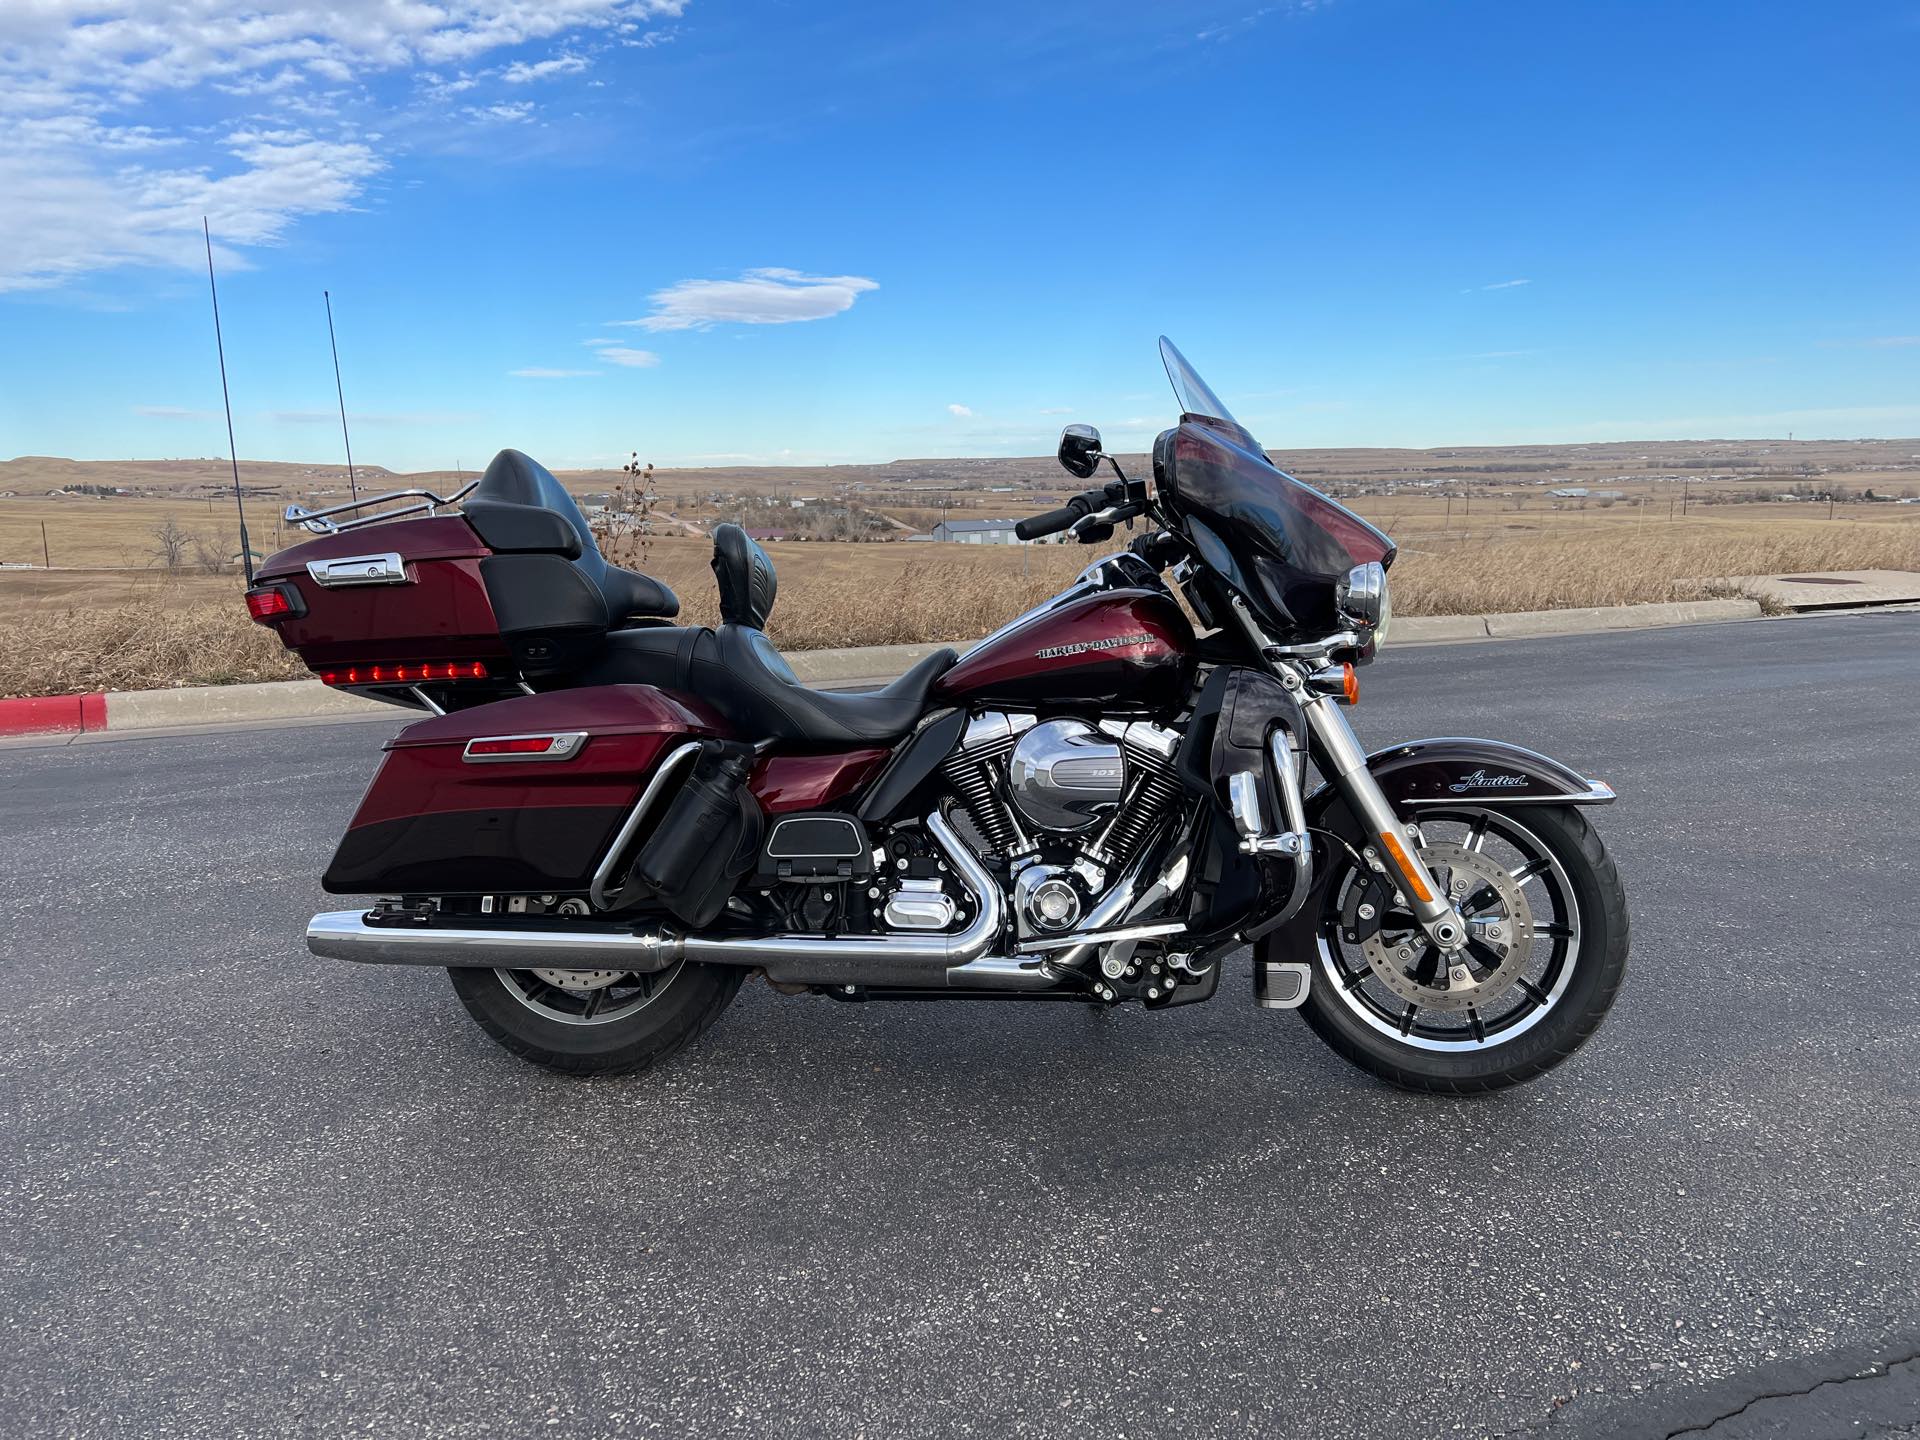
596, 1022
1548, 919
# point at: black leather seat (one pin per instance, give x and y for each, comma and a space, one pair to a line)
736, 669
519, 508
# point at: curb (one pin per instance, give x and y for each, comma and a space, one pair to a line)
301, 699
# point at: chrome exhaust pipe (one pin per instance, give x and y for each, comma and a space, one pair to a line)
923, 960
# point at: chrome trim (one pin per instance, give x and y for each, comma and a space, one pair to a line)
562, 745
1361, 596
384, 569
597, 891
320, 522
425, 699
1598, 792
345, 935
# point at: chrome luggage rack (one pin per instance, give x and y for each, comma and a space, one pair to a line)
321, 522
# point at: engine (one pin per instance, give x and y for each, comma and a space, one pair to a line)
1062, 803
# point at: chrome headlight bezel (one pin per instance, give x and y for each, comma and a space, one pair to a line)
1364, 600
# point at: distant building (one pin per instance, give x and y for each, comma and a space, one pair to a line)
978, 532
766, 535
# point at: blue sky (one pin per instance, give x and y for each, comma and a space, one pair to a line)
718, 231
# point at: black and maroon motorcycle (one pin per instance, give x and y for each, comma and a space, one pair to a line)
609, 821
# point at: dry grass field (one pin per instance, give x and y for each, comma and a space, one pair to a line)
1479, 531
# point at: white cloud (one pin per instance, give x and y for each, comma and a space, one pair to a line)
172, 412
520, 73
1056, 410
541, 372
1505, 285
73, 71
509, 113
615, 353
961, 411
768, 296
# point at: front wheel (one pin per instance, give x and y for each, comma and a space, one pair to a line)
596, 1022
1547, 917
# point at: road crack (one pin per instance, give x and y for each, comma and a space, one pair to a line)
1875, 1370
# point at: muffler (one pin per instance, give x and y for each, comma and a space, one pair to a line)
920, 960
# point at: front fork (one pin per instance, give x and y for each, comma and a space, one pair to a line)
1396, 847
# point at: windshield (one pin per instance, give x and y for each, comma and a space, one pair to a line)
1195, 395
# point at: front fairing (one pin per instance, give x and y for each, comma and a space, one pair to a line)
1281, 545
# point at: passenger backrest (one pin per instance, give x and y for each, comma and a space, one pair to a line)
745, 575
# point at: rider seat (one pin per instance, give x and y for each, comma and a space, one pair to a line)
736, 669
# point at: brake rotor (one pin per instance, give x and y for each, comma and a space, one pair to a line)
580, 980
1499, 927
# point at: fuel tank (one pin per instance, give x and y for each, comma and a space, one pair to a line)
1132, 649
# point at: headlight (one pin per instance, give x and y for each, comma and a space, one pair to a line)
1363, 598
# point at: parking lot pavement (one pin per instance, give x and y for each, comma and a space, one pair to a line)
247, 1193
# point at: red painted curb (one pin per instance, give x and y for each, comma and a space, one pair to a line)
53, 714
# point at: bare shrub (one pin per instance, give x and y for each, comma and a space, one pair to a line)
169, 543
212, 553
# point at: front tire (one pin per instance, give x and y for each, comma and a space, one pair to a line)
1533, 1015
596, 1022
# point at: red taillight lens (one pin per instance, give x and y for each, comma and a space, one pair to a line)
407, 674
269, 603
518, 745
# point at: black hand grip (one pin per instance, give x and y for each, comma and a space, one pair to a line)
1051, 523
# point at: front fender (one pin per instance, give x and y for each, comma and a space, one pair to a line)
1456, 770
1425, 774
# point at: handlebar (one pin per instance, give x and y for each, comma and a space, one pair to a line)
1054, 521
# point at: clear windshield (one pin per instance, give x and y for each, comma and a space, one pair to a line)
1195, 395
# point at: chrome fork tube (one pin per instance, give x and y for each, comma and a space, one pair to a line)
1396, 845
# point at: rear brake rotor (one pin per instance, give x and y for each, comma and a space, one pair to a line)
580, 980
1499, 929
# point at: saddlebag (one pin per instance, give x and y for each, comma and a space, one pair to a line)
521, 797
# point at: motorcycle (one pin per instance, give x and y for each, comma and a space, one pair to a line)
607, 821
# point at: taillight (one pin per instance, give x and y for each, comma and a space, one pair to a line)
562, 746
268, 603
409, 673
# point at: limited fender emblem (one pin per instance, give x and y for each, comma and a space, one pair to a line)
1481, 780
1080, 647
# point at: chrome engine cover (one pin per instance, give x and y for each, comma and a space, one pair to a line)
1064, 775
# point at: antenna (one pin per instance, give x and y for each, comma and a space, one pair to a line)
352, 484
233, 454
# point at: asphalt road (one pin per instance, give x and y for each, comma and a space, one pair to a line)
243, 1192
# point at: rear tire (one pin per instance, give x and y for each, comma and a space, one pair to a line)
552, 1026
1582, 864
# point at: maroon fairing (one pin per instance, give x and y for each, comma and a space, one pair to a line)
1130, 648
785, 783
443, 613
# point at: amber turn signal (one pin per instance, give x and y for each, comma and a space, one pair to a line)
1350, 684
1404, 862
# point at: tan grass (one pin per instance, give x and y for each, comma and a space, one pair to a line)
834, 595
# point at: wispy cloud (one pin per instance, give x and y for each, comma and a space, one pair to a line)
1056, 410
1874, 342
172, 412
507, 112
85, 191
540, 372
614, 353
521, 73
1499, 285
962, 412
768, 296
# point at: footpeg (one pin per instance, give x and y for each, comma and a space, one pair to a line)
1281, 984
